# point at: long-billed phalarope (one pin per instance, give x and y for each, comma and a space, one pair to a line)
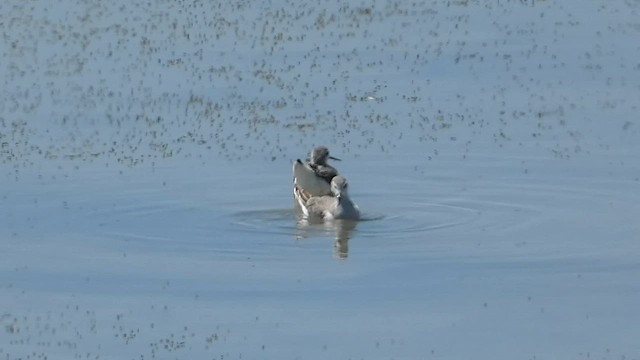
318, 162
314, 176
336, 206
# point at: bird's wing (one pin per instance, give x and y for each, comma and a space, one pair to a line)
324, 171
301, 195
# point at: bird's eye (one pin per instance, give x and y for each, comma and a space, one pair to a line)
346, 185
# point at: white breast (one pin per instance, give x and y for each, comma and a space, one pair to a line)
306, 178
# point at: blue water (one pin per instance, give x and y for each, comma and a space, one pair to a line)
145, 180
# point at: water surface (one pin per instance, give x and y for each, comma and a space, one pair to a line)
145, 172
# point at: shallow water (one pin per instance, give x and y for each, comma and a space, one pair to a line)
146, 198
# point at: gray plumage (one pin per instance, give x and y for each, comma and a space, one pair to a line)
318, 162
314, 175
338, 206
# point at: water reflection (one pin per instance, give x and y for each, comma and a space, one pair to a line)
344, 228
341, 229
279, 221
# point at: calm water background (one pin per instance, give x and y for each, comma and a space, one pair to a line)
145, 180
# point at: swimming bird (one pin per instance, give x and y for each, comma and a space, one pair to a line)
314, 176
338, 205
318, 162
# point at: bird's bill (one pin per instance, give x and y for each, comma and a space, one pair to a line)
334, 158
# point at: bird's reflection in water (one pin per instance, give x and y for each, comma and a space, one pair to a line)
341, 229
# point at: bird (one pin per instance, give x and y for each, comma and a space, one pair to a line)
318, 162
314, 176
338, 205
